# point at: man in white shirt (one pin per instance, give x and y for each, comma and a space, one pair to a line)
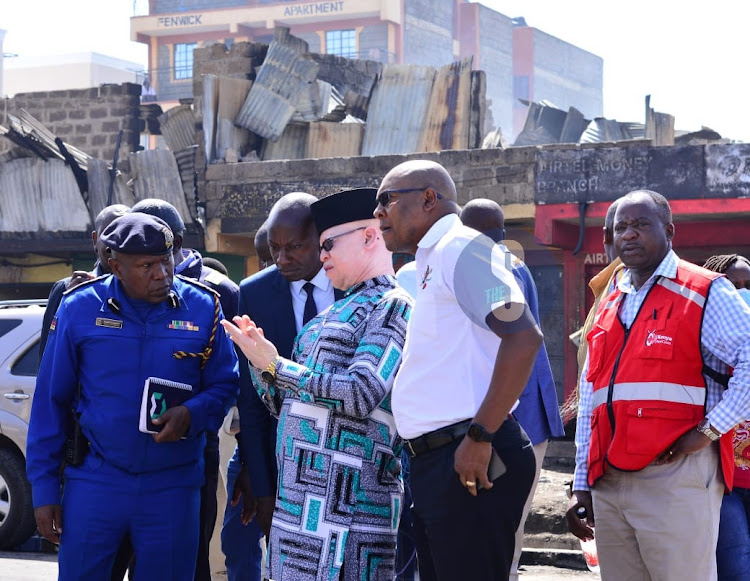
470, 348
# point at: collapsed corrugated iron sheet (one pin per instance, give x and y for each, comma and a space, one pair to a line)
397, 109
99, 188
185, 159
38, 196
155, 175
178, 127
291, 145
447, 123
601, 130
232, 94
209, 108
285, 74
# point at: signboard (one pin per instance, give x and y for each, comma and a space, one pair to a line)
602, 175
728, 170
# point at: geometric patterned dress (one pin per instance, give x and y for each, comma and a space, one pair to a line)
339, 492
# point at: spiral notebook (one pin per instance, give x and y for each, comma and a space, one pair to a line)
158, 396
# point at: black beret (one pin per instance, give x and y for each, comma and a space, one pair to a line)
138, 233
343, 207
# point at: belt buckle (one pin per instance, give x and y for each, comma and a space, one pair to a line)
410, 449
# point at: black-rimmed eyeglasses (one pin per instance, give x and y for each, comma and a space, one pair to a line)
384, 198
328, 242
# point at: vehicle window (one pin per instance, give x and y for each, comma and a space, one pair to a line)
7, 325
28, 363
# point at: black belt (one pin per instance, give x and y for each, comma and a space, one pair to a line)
436, 439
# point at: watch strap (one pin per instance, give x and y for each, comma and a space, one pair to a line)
269, 373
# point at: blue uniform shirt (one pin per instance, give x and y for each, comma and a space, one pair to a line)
111, 353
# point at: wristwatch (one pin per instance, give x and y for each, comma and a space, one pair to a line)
705, 428
269, 373
479, 434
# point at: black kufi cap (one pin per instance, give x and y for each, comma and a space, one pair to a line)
343, 207
138, 233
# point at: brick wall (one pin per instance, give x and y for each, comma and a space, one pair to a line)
88, 119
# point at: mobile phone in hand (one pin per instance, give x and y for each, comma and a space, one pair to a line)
496, 468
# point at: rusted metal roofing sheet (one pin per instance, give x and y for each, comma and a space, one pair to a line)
285, 74
291, 145
397, 109
155, 175
178, 127
478, 108
38, 196
334, 139
448, 119
209, 108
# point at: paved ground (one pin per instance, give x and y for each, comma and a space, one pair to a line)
43, 567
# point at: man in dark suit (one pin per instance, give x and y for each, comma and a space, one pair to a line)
277, 298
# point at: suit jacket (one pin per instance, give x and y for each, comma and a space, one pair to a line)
538, 411
267, 299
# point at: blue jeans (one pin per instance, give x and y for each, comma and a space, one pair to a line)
240, 543
733, 548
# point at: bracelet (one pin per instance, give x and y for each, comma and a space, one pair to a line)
269, 373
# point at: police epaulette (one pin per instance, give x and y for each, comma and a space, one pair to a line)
197, 283
85, 283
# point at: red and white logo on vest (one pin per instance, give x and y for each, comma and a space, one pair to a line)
653, 338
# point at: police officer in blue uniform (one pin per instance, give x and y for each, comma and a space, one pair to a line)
189, 263
109, 336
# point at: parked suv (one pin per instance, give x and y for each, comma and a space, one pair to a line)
20, 329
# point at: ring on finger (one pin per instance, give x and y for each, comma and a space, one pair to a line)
470, 483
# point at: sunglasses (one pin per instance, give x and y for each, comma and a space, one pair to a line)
328, 242
384, 198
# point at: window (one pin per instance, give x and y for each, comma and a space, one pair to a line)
7, 325
183, 60
342, 43
28, 363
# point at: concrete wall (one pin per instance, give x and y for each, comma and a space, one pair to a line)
428, 32
567, 75
241, 194
89, 119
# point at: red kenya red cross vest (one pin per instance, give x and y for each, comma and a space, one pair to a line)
649, 387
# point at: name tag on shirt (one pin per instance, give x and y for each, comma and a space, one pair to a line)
109, 323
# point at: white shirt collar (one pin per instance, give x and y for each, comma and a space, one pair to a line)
320, 280
438, 230
667, 268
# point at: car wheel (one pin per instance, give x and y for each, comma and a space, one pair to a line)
16, 508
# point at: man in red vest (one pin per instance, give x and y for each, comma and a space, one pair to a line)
649, 420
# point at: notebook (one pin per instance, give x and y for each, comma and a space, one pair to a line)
158, 396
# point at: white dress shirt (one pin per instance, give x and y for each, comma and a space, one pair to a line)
450, 352
323, 295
